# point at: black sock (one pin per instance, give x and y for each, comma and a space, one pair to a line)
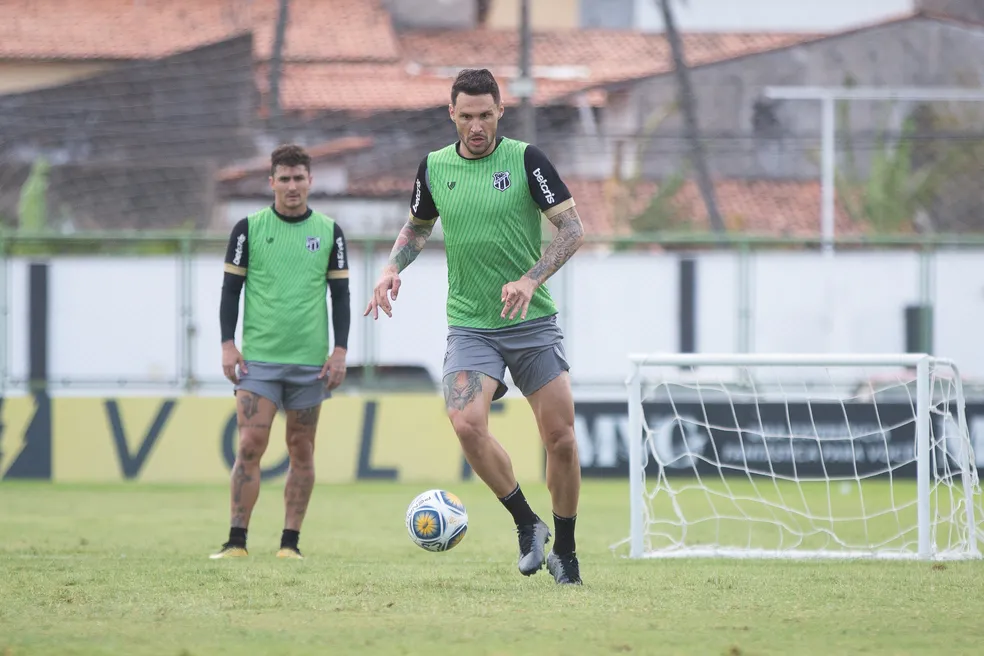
289, 538
237, 536
517, 505
564, 527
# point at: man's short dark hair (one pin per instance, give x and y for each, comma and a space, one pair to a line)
289, 155
475, 82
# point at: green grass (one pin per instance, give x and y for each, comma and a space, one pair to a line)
124, 570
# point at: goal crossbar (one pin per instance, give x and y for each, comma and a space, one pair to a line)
781, 359
924, 365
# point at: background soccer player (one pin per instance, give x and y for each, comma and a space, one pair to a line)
489, 192
287, 255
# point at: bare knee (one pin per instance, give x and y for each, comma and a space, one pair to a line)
302, 426
300, 447
254, 415
560, 441
469, 425
252, 445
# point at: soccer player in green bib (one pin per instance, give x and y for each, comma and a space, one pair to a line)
489, 193
288, 256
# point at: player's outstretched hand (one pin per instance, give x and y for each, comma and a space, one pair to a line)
386, 290
231, 358
334, 368
516, 296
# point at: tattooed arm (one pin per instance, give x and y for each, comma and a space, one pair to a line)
423, 215
555, 201
570, 236
550, 192
409, 243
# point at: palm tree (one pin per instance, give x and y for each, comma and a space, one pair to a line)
688, 104
276, 66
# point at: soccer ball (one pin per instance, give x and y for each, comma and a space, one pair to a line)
437, 520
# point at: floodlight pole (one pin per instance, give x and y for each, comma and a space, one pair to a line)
827, 97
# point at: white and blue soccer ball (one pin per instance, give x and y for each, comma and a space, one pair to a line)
437, 520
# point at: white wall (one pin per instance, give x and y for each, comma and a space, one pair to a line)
770, 15
15, 325
853, 303
121, 318
114, 318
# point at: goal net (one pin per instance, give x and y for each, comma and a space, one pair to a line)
800, 456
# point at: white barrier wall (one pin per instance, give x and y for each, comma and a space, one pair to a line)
124, 317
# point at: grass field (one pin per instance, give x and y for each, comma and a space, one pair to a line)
125, 570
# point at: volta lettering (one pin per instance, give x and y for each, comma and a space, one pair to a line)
131, 464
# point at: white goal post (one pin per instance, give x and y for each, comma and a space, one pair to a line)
800, 456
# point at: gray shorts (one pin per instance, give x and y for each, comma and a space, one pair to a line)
532, 350
289, 386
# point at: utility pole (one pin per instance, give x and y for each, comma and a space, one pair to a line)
524, 87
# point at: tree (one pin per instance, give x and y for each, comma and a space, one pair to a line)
662, 211
893, 192
32, 208
950, 143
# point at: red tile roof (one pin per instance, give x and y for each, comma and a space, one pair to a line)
566, 62
382, 87
319, 153
337, 147
344, 55
381, 186
790, 208
321, 30
415, 66
335, 30
774, 207
584, 57
355, 87
109, 29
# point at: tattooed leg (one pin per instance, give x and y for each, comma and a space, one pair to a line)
468, 397
254, 414
461, 388
302, 425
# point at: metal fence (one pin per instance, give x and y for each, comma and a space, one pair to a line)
637, 270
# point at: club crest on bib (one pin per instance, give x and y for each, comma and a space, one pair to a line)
314, 244
501, 180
